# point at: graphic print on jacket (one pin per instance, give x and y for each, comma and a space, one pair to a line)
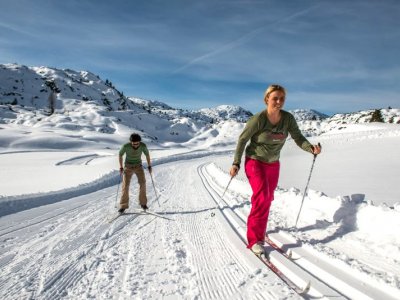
276, 136
271, 136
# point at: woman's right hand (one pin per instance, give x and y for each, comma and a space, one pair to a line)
234, 170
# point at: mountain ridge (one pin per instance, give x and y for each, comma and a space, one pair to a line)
83, 101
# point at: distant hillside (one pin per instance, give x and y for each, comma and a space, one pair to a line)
312, 127
227, 112
211, 115
308, 115
388, 115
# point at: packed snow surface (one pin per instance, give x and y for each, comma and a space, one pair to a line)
56, 241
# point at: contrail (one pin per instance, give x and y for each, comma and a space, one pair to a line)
15, 29
241, 40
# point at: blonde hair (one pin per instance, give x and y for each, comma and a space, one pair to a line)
273, 88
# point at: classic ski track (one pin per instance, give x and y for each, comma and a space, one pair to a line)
110, 253
29, 223
214, 281
25, 253
78, 255
235, 211
84, 254
89, 258
305, 261
54, 233
234, 227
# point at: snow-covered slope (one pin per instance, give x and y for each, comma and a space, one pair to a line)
388, 115
84, 102
313, 123
227, 112
59, 244
307, 115
31, 86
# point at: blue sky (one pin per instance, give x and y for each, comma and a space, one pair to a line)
332, 56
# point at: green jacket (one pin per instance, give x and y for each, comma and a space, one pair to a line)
133, 156
267, 140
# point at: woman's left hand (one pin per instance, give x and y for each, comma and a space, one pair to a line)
316, 149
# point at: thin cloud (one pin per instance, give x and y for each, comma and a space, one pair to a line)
236, 43
15, 29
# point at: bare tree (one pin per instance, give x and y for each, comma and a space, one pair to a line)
52, 101
53, 95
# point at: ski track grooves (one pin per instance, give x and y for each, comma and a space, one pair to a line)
324, 282
190, 243
236, 218
65, 248
69, 250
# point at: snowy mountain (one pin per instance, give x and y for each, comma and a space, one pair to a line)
75, 101
83, 101
227, 112
388, 115
313, 123
209, 115
31, 87
308, 115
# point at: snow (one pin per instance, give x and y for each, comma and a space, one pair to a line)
344, 219
60, 184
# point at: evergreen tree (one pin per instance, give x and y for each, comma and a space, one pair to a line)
377, 116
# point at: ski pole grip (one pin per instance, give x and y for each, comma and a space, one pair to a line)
319, 145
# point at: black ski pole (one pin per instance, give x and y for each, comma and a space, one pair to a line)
306, 188
119, 183
227, 187
213, 214
154, 187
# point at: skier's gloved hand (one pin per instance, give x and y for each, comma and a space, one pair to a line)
234, 170
150, 169
316, 149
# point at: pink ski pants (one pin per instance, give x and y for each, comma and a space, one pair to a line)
263, 178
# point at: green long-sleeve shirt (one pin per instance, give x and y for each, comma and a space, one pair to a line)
133, 156
266, 139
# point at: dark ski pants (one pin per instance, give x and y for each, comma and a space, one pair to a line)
129, 170
263, 179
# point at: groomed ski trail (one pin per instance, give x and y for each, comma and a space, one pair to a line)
306, 265
67, 251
